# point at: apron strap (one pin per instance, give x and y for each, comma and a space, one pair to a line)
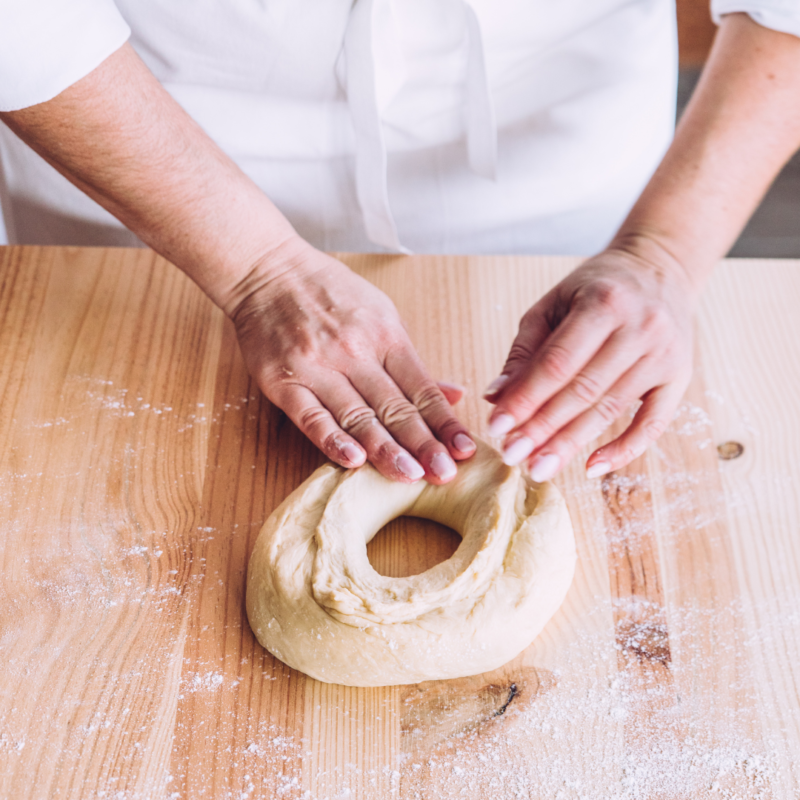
362, 96
371, 22
481, 122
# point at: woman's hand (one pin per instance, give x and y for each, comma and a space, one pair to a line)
330, 349
616, 330
323, 344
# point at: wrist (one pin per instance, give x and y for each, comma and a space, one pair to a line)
280, 275
263, 271
662, 258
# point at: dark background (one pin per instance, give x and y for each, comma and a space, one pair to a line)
774, 230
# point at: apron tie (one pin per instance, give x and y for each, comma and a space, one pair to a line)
481, 122
374, 73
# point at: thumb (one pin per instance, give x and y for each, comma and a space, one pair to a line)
534, 328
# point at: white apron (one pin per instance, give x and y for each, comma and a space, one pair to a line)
479, 126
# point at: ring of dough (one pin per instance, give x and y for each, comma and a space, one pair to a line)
315, 602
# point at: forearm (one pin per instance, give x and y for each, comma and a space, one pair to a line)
740, 128
120, 137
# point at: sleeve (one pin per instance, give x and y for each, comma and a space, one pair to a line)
780, 15
47, 45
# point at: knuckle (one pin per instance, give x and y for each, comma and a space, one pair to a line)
630, 452
520, 352
353, 341
556, 363
609, 408
655, 427
356, 417
605, 295
312, 419
528, 319
397, 412
667, 354
395, 346
657, 323
586, 388
352, 344
429, 397
283, 393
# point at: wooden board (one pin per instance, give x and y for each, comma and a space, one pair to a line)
138, 462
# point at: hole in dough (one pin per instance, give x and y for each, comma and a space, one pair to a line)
315, 602
410, 546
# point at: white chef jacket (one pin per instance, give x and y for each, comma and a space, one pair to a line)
504, 126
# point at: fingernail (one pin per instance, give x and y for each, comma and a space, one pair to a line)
501, 424
456, 387
442, 466
351, 453
463, 443
496, 385
410, 467
518, 449
597, 469
544, 467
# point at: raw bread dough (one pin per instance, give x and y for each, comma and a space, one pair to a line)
315, 602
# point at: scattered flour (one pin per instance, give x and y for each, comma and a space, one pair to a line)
588, 734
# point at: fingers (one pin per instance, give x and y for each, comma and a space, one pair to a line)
381, 424
403, 422
621, 330
420, 422
590, 387
330, 349
654, 415
338, 421
650, 421
303, 407
369, 417
551, 365
411, 377
533, 330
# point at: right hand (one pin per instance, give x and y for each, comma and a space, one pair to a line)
330, 349
616, 329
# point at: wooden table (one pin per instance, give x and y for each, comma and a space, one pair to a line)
138, 462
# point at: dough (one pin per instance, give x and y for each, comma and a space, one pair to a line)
315, 602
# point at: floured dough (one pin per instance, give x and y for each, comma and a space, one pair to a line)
315, 602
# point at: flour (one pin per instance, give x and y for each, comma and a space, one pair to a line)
594, 730
578, 738
598, 740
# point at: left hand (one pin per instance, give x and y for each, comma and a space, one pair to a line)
330, 349
616, 330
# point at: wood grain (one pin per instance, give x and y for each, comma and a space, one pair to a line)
138, 462
102, 461
750, 336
